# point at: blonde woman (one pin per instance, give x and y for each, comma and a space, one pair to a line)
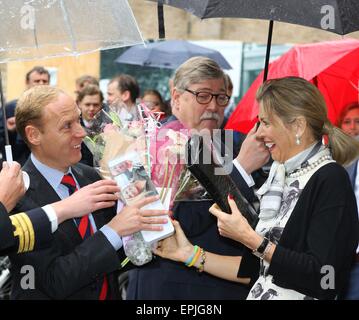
305, 240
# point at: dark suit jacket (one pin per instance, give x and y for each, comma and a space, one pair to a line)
162, 279
20, 151
86, 155
71, 268
352, 171
40, 227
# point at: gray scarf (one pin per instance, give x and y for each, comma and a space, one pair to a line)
271, 192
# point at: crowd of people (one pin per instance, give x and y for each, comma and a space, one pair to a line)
66, 225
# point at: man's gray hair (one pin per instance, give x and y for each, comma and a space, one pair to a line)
195, 70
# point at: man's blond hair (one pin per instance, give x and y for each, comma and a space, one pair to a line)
30, 107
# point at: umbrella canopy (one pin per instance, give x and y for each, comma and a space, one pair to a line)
332, 66
47, 28
312, 13
338, 16
168, 54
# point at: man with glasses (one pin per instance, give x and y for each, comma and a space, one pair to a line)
199, 97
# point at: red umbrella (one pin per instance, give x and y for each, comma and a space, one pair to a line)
332, 66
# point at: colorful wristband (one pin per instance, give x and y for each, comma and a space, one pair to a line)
188, 261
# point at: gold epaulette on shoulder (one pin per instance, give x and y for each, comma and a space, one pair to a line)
24, 230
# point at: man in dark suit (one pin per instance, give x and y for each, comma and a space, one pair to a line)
85, 255
38, 75
198, 102
28, 231
353, 288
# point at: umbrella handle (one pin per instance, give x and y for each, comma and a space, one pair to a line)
8, 153
2, 100
161, 22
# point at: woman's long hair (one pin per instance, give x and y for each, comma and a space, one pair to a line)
292, 97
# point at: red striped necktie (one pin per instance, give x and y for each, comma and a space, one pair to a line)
84, 226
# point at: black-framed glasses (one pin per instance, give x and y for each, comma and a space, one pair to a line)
203, 97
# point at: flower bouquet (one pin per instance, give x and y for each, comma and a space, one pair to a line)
109, 137
169, 171
111, 140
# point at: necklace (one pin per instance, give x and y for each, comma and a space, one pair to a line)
299, 172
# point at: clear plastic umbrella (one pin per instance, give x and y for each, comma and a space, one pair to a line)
35, 29
47, 28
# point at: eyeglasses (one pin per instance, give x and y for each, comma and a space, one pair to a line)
206, 97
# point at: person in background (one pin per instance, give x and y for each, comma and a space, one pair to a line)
122, 93
349, 119
308, 214
37, 76
231, 106
89, 100
349, 123
83, 81
153, 100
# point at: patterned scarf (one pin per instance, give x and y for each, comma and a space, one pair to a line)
271, 192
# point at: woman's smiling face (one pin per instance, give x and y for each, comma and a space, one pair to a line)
278, 137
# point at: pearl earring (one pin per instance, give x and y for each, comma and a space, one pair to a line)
297, 139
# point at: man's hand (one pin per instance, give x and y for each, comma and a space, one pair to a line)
95, 196
11, 185
253, 154
132, 218
11, 124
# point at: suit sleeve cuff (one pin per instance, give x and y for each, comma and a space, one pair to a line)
42, 227
6, 229
247, 178
112, 237
51, 214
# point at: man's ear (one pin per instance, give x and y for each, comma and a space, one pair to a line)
126, 96
175, 95
33, 135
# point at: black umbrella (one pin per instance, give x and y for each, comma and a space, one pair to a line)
338, 16
311, 13
168, 54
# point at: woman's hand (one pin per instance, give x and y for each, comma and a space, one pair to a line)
176, 247
235, 226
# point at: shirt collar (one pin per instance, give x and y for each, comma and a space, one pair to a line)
88, 124
53, 176
298, 159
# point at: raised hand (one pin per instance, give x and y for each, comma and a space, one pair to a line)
98, 195
253, 154
132, 218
